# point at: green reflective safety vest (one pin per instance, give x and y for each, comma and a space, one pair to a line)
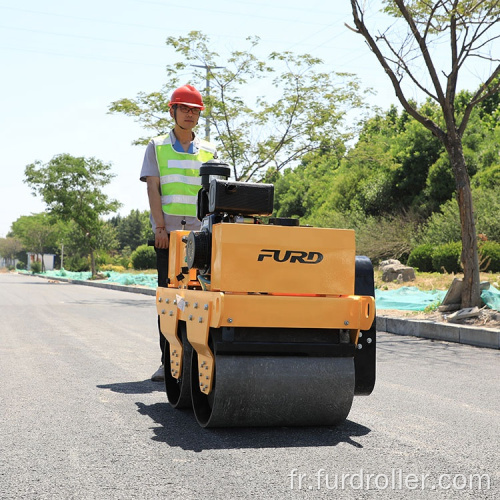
180, 175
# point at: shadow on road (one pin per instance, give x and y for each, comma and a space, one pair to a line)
179, 428
139, 387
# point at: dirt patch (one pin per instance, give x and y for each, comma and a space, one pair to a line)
437, 281
487, 318
432, 281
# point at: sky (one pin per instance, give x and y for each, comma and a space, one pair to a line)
63, 62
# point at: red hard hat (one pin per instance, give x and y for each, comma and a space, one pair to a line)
187, 95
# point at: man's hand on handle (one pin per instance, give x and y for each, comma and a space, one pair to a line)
161, 237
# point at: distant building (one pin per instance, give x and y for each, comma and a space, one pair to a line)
8, 262
48, 260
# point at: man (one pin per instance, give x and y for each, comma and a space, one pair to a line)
171, 170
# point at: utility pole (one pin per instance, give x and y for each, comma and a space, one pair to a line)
207, 93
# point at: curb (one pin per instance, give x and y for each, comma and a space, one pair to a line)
461, 334
109, 286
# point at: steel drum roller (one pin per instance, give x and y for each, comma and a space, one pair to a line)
276, 390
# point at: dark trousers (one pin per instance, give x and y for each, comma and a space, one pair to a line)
162, 268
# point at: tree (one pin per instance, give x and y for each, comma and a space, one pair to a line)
468, 25
38, 233
132, 230
71, 188
304, 111
299, 191
9, 248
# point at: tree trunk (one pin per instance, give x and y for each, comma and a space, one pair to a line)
471, 294
92, 262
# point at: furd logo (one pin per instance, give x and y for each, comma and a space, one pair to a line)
291, 256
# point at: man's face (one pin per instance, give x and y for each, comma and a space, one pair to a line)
187, 116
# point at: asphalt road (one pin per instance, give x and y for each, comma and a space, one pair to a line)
79, 417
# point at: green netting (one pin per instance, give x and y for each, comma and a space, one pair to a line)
491, 298
149, 280
410, 298
407, 298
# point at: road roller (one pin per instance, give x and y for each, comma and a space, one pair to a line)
267, 322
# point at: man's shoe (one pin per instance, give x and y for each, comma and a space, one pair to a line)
159, 375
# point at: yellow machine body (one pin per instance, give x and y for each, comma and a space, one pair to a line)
278, 259
177, 260
266, 277
266, 322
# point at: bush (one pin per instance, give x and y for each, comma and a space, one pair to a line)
442, 227
111, 267
144, 257
102, 258
121, 260
20, 265
379, 238
77, 264
486, 208
36, 267
421, 258
446, 258
490, 252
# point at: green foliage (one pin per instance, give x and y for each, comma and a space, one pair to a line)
489, 252
114, 268
382, 238
429, 258
489, 108
38, 233
488, 177
432, 307
72, 189
469, 29
300, 191
446, 258
106, 237
143, 257
378, 238
444, 226
365, 177
77, 264
132, 230
10, 248
439, 185
421, 258
36, 267
20, 265
487, 210
390, 167
303, 108
398, 165
415, 149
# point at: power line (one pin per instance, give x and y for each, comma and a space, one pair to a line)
91, 19
288, 7
82, 37
75, 56
148, 27
186, 7
225, 12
